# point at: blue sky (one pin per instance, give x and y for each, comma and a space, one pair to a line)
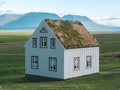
91, 8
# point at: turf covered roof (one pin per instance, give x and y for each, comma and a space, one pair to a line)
72, 34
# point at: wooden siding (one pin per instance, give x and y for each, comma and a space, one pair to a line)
44, 54
82, 53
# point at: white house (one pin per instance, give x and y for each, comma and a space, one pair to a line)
61, 49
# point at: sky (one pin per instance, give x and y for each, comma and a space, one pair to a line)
94, 9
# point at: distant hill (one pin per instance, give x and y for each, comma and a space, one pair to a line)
31, 20
89, 24
5, 18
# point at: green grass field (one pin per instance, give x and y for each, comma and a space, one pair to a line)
12, 67
109, 42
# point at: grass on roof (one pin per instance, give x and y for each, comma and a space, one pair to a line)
65, 32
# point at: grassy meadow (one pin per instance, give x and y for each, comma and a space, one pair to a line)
12, 66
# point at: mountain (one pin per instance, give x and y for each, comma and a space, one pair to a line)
29, 20
89, 24
5, 18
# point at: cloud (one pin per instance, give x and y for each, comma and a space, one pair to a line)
2, 10
1, 3
8, 11
109, 21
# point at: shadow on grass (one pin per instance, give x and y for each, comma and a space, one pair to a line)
22, 79
84, 79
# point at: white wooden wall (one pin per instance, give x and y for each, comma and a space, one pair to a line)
69, 55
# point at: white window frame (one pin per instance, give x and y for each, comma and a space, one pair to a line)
76, 63
43, 42
53, 64
34, 62
88, 62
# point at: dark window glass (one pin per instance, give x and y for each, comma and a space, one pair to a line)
88, 62
34, 42
43, 30
34, 62
52, 43
76, 63
52, 64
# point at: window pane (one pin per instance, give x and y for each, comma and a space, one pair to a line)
34, 42
43, 42
88, 62
34, 62
76, 63
43, 30
52, 64
52, 43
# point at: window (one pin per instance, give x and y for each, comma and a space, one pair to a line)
76, 63
34, 62
52, 64
88, 62
43, 42
52, 43
34, 42
43, 30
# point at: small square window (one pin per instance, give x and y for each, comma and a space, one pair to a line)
88, 62
52, 43
34, 42
34, 62
43, 42
52, 64
76, 63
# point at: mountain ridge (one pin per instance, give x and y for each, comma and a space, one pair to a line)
5, 18
31, 21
